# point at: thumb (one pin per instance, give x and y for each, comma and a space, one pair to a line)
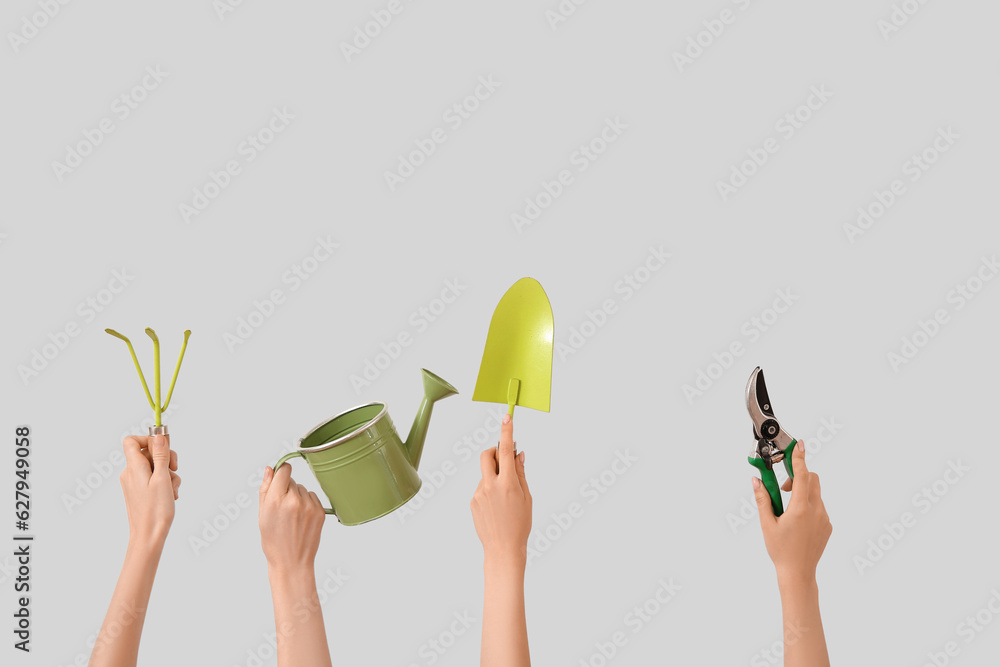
159, 448
764, 508
799, 459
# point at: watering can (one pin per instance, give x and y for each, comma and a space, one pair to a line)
363, 467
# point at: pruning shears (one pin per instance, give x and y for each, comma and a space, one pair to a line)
158, 408
773, 442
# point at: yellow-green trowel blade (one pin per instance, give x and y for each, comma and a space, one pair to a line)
518, 348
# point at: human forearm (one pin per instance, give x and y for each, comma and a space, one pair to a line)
505, 630
298, 618
805, 643
117, 643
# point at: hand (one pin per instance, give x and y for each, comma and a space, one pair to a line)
150, 485
501, 506
795, 540
291, 520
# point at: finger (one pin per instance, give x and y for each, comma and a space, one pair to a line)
173, 460
315, 499
160, 449
175, 480
815, 491
505, 454
764, 508
265, 483
787, 485
282, 480
519, 467
132, 445
488, 462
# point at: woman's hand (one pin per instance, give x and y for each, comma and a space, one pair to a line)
501, 505
150, 484
501, 510
291, 521
795, 540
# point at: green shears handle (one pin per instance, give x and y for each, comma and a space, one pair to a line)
769, 479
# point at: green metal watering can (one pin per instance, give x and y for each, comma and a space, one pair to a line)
364, 468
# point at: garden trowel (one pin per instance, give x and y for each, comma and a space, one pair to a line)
517, 361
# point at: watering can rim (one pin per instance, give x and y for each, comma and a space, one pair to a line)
344, 438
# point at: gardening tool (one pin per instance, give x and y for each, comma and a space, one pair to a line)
363, 467
517, 361
158, 408
773, 442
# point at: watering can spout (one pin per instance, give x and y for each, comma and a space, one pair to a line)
434, 390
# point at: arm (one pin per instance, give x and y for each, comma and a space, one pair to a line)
501, 509
150, 487
291, 521
795, 542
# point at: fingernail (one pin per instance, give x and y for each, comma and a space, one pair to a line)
801, 446
521, 456
756, 482
268, 471
506, 419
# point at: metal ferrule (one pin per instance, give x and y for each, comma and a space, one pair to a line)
158, 430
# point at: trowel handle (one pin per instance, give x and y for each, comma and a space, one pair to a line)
291, 455
770, 483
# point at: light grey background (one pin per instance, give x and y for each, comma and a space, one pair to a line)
672, 515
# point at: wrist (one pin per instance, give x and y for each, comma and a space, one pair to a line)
505, 563
797, 582
292, 577
146, 545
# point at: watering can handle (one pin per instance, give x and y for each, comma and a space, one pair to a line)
290, 456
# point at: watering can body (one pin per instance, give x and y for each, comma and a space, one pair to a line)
364, 468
